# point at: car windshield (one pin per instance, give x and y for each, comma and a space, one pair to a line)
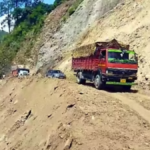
118, 56
54, 71
23, 70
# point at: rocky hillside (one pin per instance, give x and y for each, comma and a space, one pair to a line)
125, 20
55, 40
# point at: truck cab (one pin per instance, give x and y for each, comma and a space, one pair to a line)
118, 67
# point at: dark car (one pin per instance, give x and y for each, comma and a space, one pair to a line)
55, 74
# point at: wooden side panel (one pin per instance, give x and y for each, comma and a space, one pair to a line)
95, 64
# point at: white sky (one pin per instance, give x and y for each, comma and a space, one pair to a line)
6, 27
2, 18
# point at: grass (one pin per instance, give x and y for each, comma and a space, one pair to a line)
71, 10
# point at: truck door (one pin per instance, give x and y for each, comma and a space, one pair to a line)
102, 58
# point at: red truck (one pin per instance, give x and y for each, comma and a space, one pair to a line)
111, 63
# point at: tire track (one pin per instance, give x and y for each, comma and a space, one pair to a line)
144, 113
143, 100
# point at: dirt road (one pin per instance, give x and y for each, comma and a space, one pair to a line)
42, 114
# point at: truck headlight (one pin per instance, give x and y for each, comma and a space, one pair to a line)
109, 72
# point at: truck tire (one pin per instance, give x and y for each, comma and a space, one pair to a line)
98, 82
79, 79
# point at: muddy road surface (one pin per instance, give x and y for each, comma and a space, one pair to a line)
43, 114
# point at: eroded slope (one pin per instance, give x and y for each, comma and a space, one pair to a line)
66, 36
55, 114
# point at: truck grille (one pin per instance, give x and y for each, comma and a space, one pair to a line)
123, 72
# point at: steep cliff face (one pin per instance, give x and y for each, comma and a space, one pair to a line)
129, 23
46, 39
65, 37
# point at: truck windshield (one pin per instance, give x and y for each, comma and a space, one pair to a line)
118, 56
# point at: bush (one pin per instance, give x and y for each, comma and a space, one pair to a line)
26, 29
71, 10
64, 18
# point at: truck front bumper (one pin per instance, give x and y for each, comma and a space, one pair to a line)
118, 80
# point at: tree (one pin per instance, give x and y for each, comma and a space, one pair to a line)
8, 21
6, 9
57, 2
29, 18
17, 3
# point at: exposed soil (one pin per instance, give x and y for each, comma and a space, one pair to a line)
45, 114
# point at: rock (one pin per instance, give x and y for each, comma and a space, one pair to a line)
55, 88
28, 114
42, 143
15, 110
93, 118
81, 93
68, 144
49, 116
147, 144
70, 105
16, 102
60, 95
2, 137
147, 76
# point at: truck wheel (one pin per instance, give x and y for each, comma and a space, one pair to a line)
79, 79
127, 88
98, 82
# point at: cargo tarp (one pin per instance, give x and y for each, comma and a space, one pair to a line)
88, 50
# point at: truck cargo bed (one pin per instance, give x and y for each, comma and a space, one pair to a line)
86, 63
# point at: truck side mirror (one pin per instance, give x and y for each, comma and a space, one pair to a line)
101, 56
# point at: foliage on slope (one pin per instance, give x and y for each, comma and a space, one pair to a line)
72, 9
49, 36
28, 23
2, 34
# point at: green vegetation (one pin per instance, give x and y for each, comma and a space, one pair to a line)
2, 34
57, 3
29, 16
72, 9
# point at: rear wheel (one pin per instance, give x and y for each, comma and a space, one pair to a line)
80, 80
98, 82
